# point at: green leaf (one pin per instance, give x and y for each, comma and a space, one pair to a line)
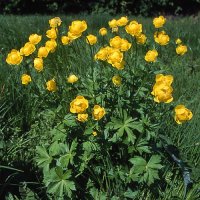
70, 120
43, 159
130, 194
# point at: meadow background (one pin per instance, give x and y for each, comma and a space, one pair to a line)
20, 111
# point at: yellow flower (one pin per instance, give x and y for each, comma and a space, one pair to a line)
28, 49
38, 64
134, 28
35, 38
122, 21
72, 78
82, 117
182, 114
117, 80
162, 89
161, 38
168, 79
178, 41
125, 45
98, 112
115, 42
151, 56
65, 40
102, 54
162, 93
26, 79
54, 22
14, 57
91, 39
94, 133
115, 29
141, 39
51, 85
119, 65
51, 45
43, 52
181, 49
79, 105
112, 23
52, 33
115, 56
76, 29
102, 31
159, 21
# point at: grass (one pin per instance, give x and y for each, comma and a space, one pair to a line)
14, 33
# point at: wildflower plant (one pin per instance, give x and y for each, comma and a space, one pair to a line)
110, 91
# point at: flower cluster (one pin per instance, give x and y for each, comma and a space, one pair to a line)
79, 106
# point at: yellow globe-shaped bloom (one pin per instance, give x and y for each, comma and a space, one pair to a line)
51, 85
55, 22
38, 64
134, 28
35, 38
158, 22
43, 52
51, 45
52, 33
26, 79
98, 112
103, 31
14, 57
151, 56
122, 21
91, 39
79, 105
72, 79
65, 40
182, 114
82, 117
28, 49
117, 80
181, 49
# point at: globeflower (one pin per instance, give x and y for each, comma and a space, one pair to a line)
178, 41
26, 79
181, 49
134, 28
72, 79
102, 31
115, 56
76, 29
102, 54
14, 57
82, 117
151, 56
79, 105
98, 112
28, 49
52, 33
43, 52
38, 64
141, 39
182, 114
161, 38
35, 38
122, 21
55, 22
120, 43
112, 23
158, 22
91, 39
162, 90
117, 80
65, 40
51, 85
51, 45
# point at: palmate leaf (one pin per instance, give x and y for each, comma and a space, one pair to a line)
58, 184
143, 171
43, 159
124, 125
